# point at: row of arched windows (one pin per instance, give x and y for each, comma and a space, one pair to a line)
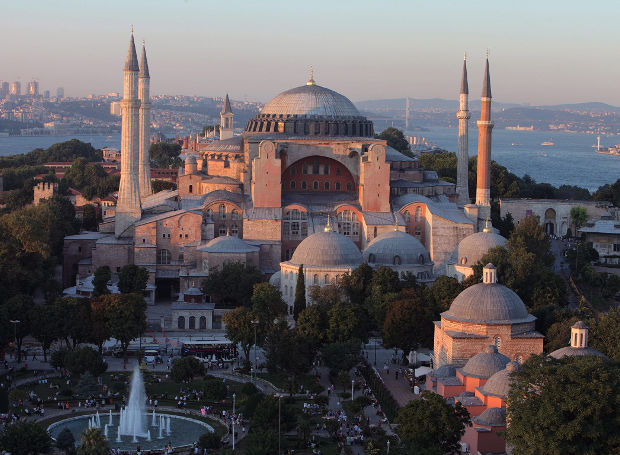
316, 186
202, 323
222, 214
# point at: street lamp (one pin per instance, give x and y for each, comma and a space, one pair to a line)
279, 414
375, 352
352, 385
15, 322
255, 323
233, 421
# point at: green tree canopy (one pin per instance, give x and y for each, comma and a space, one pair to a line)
232, 285
430, 426
341, 356
47, 322
409, 322
267, 305
166, 154
578, 217
65, 441
93, 442
343, 324
312, 323
25, 438
241, 330
85, 359
132, 278
184, 369
605, 334
20, 308
100, 330
126, 318
395, 139
566, 406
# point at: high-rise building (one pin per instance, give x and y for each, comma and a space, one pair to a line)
115, 108
60, 92
16, 88
46, 94
33, 88
4, 90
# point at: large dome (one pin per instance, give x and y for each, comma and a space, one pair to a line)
488, 303
327, 249
485, 364
396, 244
471, 249
311, 100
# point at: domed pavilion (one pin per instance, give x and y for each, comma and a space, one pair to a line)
578, 343
483, 314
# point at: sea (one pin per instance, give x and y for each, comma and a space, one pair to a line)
571, 161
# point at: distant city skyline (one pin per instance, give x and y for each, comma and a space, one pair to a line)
540, 52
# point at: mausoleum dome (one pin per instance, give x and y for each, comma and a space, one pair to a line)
471, 249
499, 383
492, 417
327, 248
485, 364
394, 247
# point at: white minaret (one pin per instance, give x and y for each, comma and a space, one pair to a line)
462, 168
144, 166
128, 208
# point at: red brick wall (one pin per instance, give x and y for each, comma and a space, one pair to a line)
312, 169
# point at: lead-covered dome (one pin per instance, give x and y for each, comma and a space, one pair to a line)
396, 247
327, 249
228, 244
309, 100
492, 417
471, 249
485, 364
499, 383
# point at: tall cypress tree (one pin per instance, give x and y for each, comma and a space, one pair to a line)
300, 293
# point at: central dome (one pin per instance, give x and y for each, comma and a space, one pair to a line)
311, 100
327, 249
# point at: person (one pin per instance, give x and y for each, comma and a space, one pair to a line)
396, 374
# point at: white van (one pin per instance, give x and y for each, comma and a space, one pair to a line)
150, 356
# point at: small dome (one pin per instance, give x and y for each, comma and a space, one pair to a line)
485, 364
311, 100
327, 249
228, 244
580, 325
488, 303
573, 352
471, 249
492, 417
275, 279
445, 371
499, 383
396, 244
193, 291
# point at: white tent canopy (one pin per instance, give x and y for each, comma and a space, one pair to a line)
422, 371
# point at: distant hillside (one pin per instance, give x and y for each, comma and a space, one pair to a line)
430, 104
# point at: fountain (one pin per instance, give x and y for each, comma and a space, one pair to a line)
105, 431
132, 421
168, 426
154, 423
110, 420
98, 420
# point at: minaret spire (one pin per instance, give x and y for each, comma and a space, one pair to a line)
129, 209
462, 170
226, 120
485, 127
144, 166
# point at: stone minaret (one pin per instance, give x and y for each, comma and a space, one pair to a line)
128, 209
144, 167
485, 126
226, 120
462, 169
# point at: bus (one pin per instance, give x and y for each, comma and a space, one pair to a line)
210, 350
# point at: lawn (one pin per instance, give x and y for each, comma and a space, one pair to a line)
283, 381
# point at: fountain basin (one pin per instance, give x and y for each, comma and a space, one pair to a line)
183, 431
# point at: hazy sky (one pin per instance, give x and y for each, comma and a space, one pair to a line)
542, 52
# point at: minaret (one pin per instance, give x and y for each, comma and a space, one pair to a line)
226, 120
128, 208
485, 126
144, 167
462, 169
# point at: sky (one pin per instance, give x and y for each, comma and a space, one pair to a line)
541, 52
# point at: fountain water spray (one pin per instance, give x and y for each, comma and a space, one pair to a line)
98, 420
110, 420
105, 431
168, 426
118, 435
148, 435
161, 432
133, 419
154, 423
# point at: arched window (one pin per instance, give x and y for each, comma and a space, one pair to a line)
396, 260
326, 186
371, 258
192, 322
421, 259
222, 230
285, 290
181, 322
326, 279
203, 323
163, 257
209, 214
292, 184
304, 185
375, 232
418, 231
234, 214
463, 260
418, 214
315, 185
497, 341
348, 224
234, 230
222, 211
315, 279
349, 186
191, 188
337, 186
407, 216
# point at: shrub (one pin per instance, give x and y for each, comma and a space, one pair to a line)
209, 441
249, 389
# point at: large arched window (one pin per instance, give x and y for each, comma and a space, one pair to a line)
209, 214
294, 225
315, 280
371, 258
222, 211
234, 230
181, 322
192, 322
326, 279
203, 322
348, 224
418, 214
421, 259
163, 256
234, 214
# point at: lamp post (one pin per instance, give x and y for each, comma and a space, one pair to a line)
279, 414
255, 323
233, 421
352, 388
388, 447
375, 352
15, 322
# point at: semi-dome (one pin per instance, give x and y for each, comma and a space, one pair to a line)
499, 383
327, 249
228, 244
485, 364
488, 303
396, 247
275, 279
311, 100
492, 417
471, 249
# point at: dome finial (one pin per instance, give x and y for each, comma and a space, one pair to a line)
311, 80
132, 29
487, 229
328, 226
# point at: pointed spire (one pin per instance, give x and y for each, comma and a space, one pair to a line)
486, 83
311, 80
226, 109
131, 62
144, 64
464, 86
487, 229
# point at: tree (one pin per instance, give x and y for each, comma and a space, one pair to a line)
300, 293
132, 278
90, 219
99, 326
77, 319
100, 280
395, 139
564, 406
166, 154
383, 290
444, 291
232, 286
241, 330
341, 356
356, 285
267, 305
57, 359
93, 442
409, 322
604, 334
126, 318
312, 323
65, 441
530, 236
25, 438
162, 185
214, 389
19, 308
83, 359
184, 369
209, 441
578, 217
439, 438
47, 322
342, 323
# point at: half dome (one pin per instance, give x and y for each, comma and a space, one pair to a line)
396, 244
311, 100
327, 249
